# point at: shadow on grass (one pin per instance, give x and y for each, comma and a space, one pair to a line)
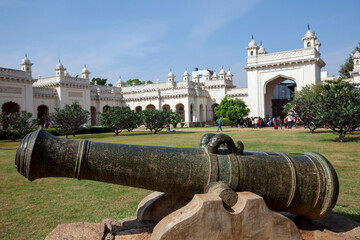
319, 132
347, 139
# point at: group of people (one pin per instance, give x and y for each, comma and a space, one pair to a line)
258, 122
275, 122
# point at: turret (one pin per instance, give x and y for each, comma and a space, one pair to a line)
229, 75
186, 76
26, 65
222, 74
171, 76
207, 76
214, 76
85, 73
119, 82
309, 39
261, 49
356, 59
60, 70
252, 48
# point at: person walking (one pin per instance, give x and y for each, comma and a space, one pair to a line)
220, 122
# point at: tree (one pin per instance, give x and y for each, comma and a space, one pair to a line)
136, 81
304, 106
99, 81
70, 119
156, 120
348, 66
15, 124
119, 118
176, 119
232, 108
339, 107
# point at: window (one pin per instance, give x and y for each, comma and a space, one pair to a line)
309, 44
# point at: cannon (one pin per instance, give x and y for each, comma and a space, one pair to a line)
305, 184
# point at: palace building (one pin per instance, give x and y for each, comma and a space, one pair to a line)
193, 96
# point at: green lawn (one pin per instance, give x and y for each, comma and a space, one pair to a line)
30, 210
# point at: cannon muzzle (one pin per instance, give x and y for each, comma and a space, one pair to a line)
301, 183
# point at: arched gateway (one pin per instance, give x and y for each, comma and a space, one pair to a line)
267, 70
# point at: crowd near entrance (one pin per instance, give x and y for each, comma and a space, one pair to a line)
278, 93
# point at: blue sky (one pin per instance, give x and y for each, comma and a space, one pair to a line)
144, 39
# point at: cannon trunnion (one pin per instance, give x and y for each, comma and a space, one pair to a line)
301, 183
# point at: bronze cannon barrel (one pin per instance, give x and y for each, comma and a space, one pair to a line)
301, 183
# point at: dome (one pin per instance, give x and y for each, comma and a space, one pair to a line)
252, 43
214, 75
85, 70
229, 73
171, 74
309, 34
261, 50
186, 73
357, 54
59, 66
25, 60
222, 71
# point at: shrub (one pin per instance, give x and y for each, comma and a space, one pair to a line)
227, 122
156, 120
54, 131
70, 118
202, 124
182, 124
16, 125
119, 118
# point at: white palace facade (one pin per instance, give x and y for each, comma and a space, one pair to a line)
193, 97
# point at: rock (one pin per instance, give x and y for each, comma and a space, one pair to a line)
328, 235
78, 231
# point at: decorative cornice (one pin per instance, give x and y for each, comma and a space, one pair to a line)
285, 63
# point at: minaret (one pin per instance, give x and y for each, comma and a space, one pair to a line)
186, 76
252, 48
309, 38
60, 70
26, 65
171, 76
85, 74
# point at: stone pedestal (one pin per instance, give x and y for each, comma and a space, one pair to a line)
206, 218
162, 216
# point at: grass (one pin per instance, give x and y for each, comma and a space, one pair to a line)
30, 210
